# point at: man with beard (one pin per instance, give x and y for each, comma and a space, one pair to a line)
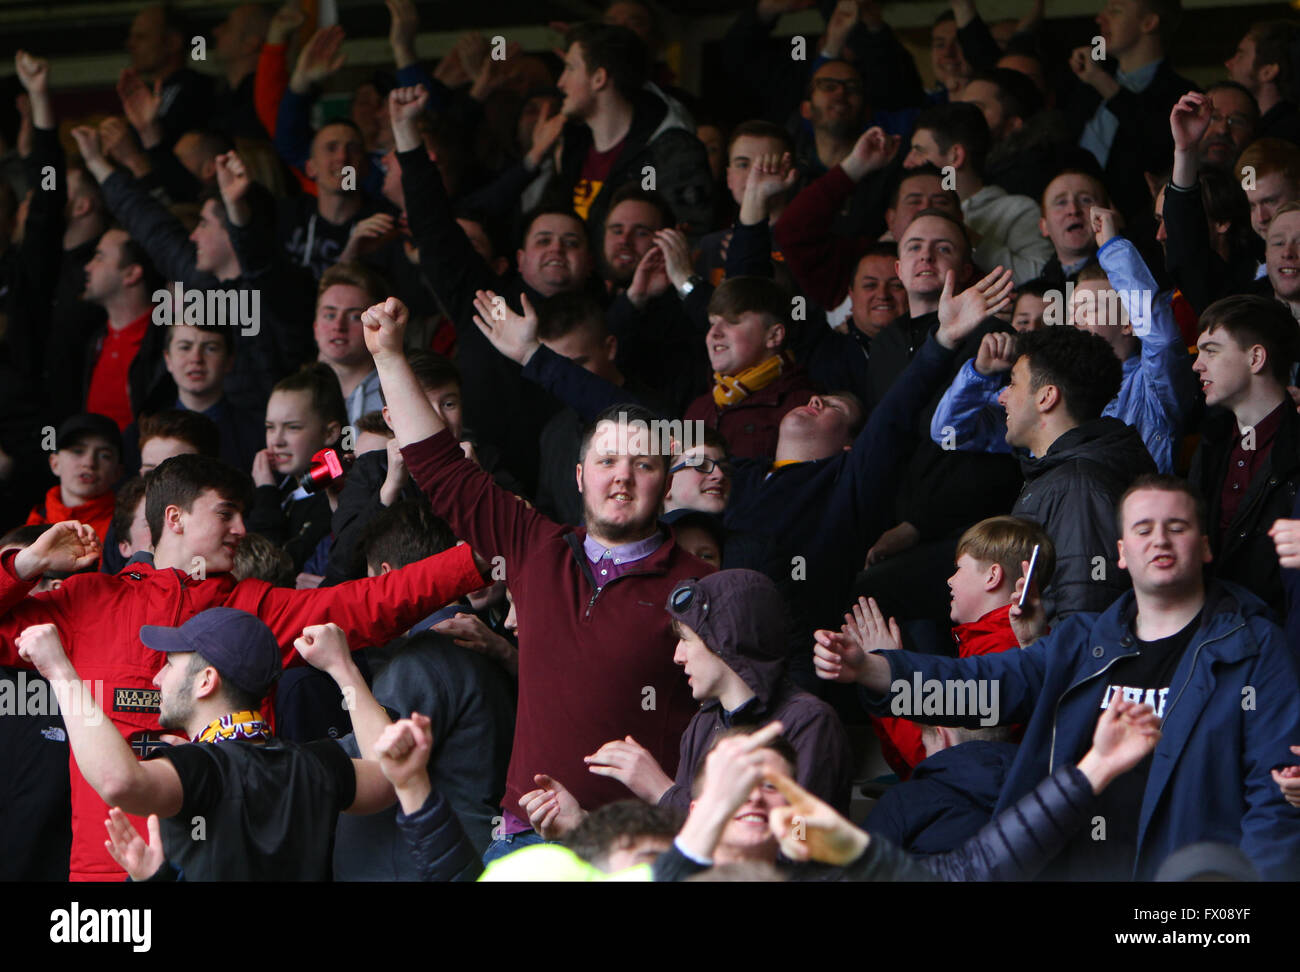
1202, 194
1234, 115
595, 643
836, 109
635, 215
1263, 65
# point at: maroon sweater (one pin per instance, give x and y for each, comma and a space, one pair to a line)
595, 664
822, 264
752, 425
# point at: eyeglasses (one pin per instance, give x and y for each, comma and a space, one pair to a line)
685, 595
831, 85
702, 465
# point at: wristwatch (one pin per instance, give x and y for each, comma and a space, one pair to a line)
693, 281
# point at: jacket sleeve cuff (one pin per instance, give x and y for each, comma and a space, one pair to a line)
437, 447
1110, 245
167, 872
436, 837
7, 565
541, 365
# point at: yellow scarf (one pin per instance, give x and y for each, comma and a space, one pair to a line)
730, 389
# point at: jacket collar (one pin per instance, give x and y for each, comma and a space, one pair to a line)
654, 563
1222, 637
995, 623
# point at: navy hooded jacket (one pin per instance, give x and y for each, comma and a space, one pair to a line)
1234, 713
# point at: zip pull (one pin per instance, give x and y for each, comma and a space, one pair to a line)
592, 603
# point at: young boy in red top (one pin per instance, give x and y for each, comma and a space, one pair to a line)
88, 461
989, 559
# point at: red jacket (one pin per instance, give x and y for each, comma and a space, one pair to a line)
99, 618
900, 739
752, 425
595, 664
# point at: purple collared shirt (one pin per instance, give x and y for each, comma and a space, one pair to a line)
610, 562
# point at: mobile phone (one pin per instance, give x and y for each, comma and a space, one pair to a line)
1029, 576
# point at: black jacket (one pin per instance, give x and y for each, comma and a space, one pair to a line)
298, 527
1142, 144
359, 504
944, 491
659, 139
1199, 272
501, 408
1280, 121
471, 702
1072, 491
1245, 553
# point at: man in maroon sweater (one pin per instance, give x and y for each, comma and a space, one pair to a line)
596, 647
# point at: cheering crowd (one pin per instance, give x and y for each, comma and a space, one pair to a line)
537, 471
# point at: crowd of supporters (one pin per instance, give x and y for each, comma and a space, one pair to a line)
540, 471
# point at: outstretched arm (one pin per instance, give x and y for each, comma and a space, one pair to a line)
370, 610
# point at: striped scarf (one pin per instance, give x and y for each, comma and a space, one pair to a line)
236, 725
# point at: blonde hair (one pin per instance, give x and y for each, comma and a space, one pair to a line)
1008, 541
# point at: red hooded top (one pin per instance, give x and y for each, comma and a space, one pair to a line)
99, 618
900, 739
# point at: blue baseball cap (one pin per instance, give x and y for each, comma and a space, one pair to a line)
237, 644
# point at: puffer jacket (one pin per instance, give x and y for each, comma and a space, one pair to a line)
438, 843
1072, 490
